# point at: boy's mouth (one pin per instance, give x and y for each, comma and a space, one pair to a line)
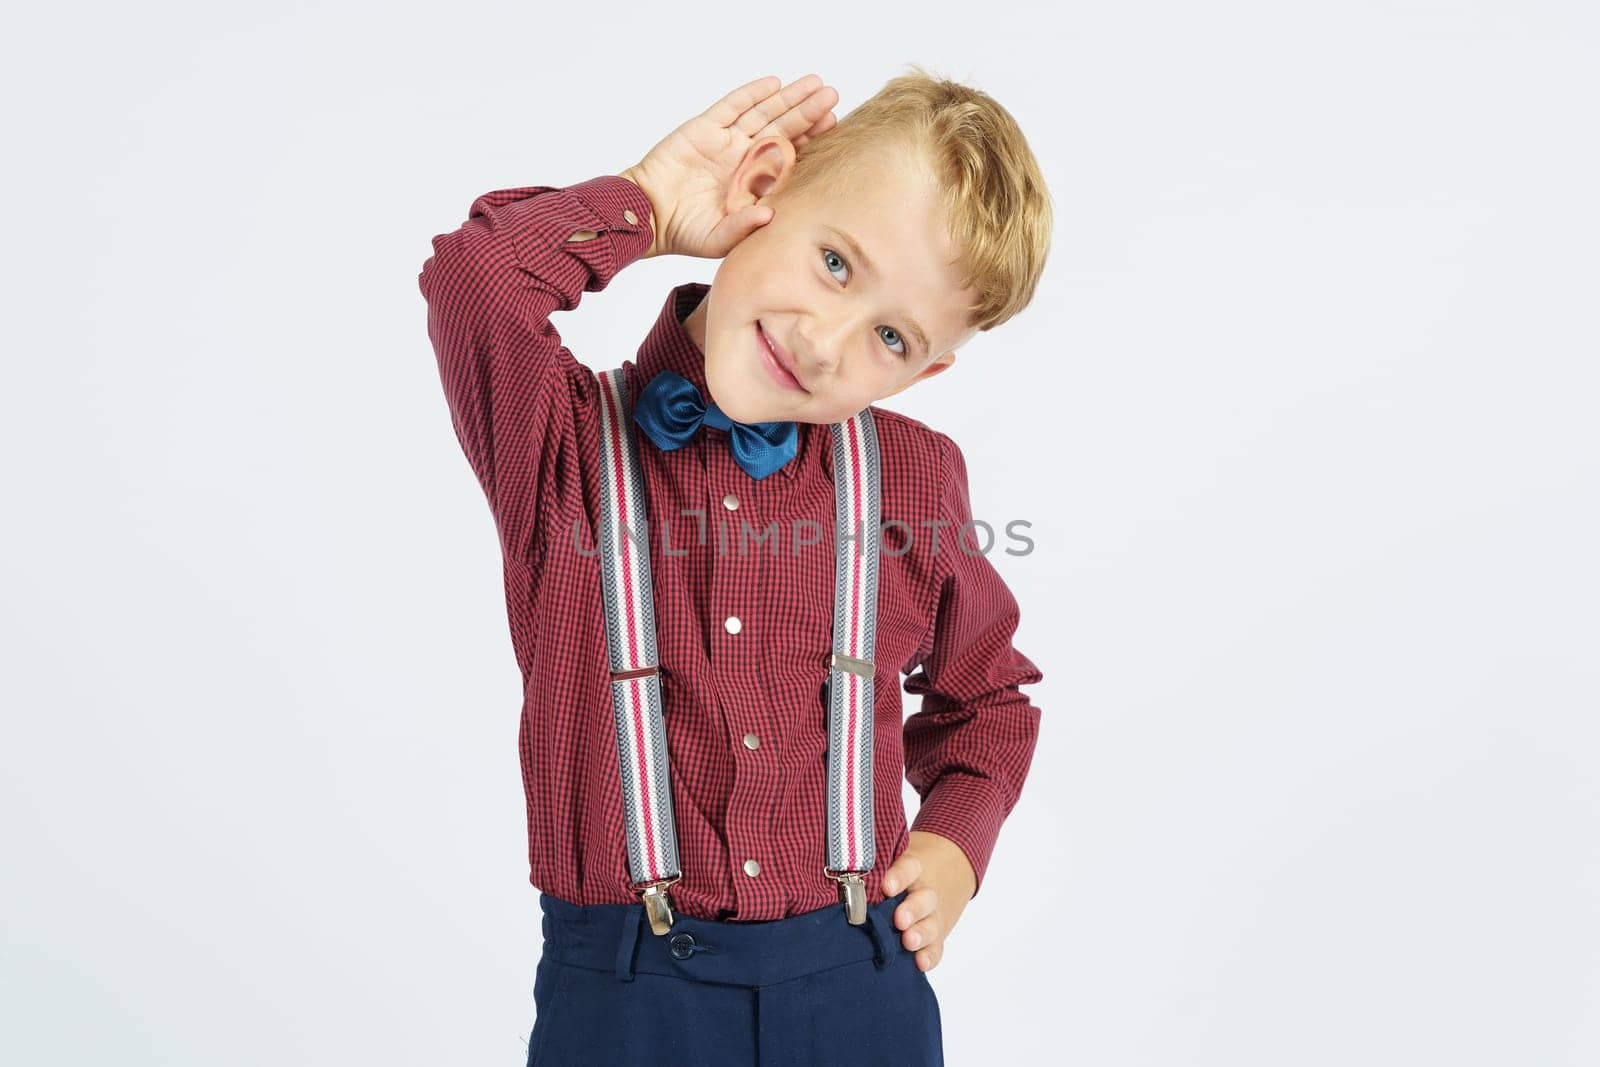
776, 361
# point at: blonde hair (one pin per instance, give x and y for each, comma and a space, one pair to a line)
995, 202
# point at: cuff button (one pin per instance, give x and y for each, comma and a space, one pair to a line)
627, 213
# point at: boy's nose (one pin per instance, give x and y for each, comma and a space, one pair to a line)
823, 348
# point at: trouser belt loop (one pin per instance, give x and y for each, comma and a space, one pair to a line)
881, 930
628, 942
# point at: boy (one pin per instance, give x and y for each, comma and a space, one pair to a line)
695, 916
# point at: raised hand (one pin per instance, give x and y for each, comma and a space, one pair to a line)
687, 175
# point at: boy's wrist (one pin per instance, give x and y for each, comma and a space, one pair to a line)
632, 174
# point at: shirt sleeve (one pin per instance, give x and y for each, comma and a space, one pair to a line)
969, 748
491, 286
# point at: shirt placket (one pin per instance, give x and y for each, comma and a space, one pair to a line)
736, 658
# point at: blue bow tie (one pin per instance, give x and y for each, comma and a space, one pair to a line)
670, 410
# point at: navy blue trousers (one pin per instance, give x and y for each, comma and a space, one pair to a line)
808, 989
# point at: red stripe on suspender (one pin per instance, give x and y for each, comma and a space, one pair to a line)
852, 429
634, 700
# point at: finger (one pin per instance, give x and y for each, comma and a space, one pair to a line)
929, 958
897, 876
805, 114
764, 111
823, 125
901, 873
781, 103
918, 905
736, 227
922, 935
726, 112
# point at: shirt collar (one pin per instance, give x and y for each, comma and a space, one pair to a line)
668, 346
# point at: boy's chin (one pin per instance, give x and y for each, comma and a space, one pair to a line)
748, 403
735, 397
740, 410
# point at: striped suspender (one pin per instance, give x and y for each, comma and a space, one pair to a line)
855, 603
636, 686
631, 638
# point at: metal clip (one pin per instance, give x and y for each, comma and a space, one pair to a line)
862, 668
853, 895
657, 907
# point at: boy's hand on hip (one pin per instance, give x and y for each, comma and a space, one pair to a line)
687, 176
941, 881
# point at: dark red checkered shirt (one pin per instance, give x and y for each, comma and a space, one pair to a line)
744, 712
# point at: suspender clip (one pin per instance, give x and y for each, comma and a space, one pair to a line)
657, 906
852, 894
860, 667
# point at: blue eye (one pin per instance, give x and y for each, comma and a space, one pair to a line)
827, 252
904, 350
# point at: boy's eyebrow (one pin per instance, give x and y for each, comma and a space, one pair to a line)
861, 254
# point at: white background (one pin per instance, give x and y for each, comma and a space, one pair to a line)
1302, 416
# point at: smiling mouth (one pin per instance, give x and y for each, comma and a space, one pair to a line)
775, 365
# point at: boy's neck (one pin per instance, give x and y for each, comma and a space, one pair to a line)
695, 325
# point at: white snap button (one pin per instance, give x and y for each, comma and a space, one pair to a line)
633, 220
751, 741
730, 502
732, 624
752, 868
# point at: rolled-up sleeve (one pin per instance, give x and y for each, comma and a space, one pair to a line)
970, 746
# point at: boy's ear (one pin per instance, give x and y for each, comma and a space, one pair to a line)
938, 366
765, 168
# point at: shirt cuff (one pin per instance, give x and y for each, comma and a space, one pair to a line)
602, 204
969, 811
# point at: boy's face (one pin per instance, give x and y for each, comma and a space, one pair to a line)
845, 322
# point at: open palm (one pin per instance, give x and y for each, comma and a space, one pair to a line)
688, 173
